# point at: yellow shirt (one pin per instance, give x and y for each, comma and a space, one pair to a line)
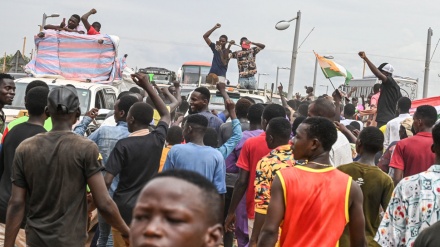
156, 116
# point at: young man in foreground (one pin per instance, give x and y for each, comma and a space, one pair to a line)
176, 209
314, 201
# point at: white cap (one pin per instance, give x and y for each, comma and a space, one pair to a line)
388, 68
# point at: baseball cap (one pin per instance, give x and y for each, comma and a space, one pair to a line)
62, 100
387, 68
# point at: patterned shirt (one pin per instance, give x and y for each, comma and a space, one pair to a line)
414, 206
246, 61
279, 158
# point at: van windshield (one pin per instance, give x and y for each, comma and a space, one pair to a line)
18, 102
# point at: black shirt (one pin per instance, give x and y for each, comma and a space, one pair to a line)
389, 95
217, 66
18, 134
54, 168
136, 159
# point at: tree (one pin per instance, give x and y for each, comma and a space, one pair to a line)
9, 58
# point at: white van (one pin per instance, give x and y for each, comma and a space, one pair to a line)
91, 95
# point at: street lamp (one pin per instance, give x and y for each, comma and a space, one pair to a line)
316, 69
258, 85
326, 91
278, 68
44, 19
282, 25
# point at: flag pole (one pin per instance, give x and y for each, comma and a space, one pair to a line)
332, 83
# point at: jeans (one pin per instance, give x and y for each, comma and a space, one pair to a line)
247, 82
105, 233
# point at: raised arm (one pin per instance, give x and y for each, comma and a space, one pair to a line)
337, 99
85, 18
209, 32
259, 45
222, 88
373, 68
227, 148
173, 101
142, 81
283, 100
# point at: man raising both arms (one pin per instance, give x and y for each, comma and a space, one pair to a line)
221, 54
314, 201
93, 29
247, 67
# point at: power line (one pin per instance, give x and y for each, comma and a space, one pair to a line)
275, 50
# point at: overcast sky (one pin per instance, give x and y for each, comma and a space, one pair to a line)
169, 33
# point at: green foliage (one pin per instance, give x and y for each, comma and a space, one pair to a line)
9, 58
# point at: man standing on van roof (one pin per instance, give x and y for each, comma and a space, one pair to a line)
221, 54
389, 91
247, 67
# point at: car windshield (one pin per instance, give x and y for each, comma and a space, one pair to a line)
18, 102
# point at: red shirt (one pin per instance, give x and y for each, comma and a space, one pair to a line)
413, 155
92, 31
316, 206
254, 149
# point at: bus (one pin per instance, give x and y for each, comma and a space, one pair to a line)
159, 75
194, 73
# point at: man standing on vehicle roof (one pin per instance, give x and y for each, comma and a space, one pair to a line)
246, 63
221, 53
389, 91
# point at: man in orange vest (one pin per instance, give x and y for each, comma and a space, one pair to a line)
314, 201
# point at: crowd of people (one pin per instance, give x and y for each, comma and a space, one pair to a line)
313, 171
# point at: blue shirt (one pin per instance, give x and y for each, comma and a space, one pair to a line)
106, 138
213, 121
217, 66
204, 160
230, 144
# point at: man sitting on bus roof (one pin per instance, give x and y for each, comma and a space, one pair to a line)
221, 54
72, 25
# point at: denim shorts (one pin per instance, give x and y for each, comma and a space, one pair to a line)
247, 82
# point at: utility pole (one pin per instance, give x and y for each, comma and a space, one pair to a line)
314, 75
24, 47
294, 55
427, 62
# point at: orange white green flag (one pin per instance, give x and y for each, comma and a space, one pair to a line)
332, 69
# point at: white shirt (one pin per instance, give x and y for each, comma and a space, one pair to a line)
392, 130
348, 121
340, 154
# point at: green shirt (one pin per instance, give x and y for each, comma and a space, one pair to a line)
12, 124
377, 188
